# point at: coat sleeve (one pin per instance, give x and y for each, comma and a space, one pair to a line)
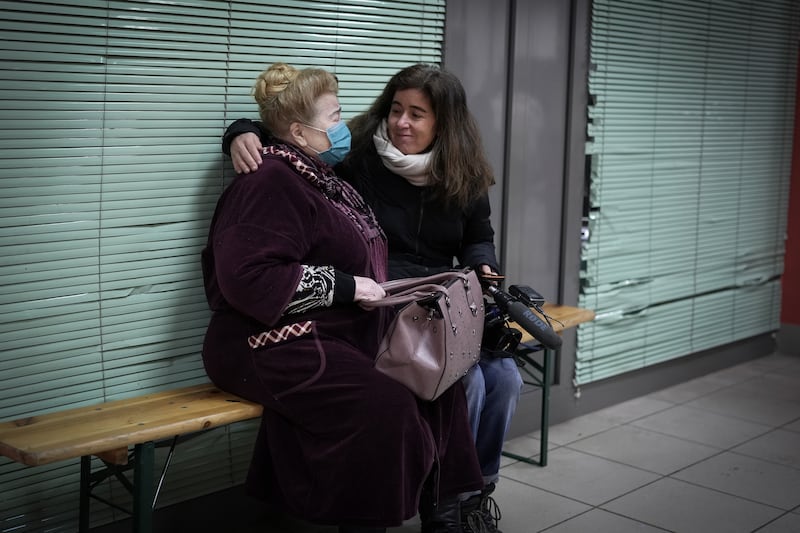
478, 248
243, 125
263, 231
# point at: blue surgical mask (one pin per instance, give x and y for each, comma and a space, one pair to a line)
339, 137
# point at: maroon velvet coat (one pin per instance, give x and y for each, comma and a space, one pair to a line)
340, 443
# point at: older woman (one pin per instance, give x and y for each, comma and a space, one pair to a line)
419, 162
291, 252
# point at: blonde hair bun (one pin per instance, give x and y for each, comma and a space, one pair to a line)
285, 95
272, 82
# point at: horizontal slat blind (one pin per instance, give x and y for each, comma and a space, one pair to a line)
363, 42
690, 147
110, 129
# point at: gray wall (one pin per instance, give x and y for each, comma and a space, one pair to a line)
524, 65
514, 60
477, 50
518, 62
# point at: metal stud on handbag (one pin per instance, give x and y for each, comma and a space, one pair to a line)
435, 338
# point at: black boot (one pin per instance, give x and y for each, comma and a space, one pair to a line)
480, 513
444, 517
471, 518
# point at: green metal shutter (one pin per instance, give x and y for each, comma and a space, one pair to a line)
110, 167
691, 116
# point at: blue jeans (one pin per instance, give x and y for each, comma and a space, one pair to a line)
492, 387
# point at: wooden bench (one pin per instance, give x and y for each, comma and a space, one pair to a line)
540, 374
108, 430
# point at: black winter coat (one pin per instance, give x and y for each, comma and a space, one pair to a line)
424, 234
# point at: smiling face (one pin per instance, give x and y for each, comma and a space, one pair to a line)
411, 121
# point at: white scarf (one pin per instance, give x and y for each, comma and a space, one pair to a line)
413, 167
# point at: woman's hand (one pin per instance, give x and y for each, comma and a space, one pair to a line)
246, 152
486, 269
488, 276
368, 290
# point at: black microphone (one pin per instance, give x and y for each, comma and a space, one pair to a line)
522, 315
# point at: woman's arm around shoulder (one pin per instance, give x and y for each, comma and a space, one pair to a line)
243, 141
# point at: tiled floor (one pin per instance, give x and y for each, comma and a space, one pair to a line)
718, 454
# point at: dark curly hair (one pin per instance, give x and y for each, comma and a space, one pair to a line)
460, 172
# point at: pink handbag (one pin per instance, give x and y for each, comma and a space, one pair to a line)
436, 337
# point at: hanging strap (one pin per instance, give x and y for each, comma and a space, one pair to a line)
407, 290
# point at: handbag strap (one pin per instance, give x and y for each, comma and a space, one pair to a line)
397, 285
406, 296
406, 290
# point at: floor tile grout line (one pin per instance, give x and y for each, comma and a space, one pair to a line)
674, 404
631, 424
742, 419
774, 463
762, 526
718, 453
596, 508
549, 491
639, 520
719, 491
699, 442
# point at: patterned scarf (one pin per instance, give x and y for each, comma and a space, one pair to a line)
343, 196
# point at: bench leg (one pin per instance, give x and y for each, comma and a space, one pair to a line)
542, 377
83, 512
143, 488
547, 378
